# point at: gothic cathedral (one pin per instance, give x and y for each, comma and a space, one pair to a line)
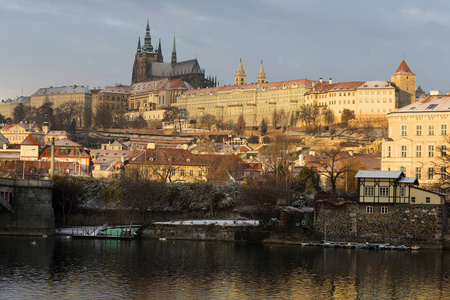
149, 65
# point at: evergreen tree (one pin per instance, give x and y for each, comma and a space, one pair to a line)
263, 127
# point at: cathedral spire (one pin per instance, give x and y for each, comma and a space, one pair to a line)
147, 40
174, 53
160, 56
261, 78
139, 50
240, 77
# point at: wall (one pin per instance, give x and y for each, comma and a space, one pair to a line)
403, 224
33, 211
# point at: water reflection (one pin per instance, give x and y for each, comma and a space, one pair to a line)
148, 269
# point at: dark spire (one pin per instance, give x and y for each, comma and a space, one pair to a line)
160, 56
147, 40
139, 50
174, 53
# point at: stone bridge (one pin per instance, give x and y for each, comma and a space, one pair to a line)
26, 207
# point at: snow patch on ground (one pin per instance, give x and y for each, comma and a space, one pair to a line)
212, 222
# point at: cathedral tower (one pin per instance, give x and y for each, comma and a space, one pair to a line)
174, 53
405, 81
240, 78
261, 78
144, 58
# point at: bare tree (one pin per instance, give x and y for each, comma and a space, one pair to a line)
103, 116
347, 115
240, 128
328, 116
308, 114
208, 120
333, 164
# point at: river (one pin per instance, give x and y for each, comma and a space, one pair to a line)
61, 268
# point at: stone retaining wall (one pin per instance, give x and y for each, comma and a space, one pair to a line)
402, 224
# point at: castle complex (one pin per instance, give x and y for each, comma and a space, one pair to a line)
149, 65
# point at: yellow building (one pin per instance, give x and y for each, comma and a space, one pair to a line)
63, 95
418, 135
366, 99
17, 133
253, 101
113, 97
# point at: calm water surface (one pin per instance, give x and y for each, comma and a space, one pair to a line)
60, 268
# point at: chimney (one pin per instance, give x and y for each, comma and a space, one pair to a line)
151, 146
434, 93
330, 81
321, 80
301, 160
350, 152
313, 153
185, 146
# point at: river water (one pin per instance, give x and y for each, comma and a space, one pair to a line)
61, 268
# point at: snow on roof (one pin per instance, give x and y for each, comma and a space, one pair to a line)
379, 174
412, 180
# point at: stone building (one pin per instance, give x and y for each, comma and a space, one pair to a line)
418, 140
149, 65
405, 81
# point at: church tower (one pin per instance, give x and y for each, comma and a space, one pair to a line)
174, 53
405, 81
261, 78
144, 58
240, 78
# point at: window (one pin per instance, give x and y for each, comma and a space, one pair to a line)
191, 172
444, 173
368, 191
182, 173
389, 151
430, 150
404, 149
427, 200
418, 129
402, 191
383, 191
369, 209
413, 199
173, 173
64, 151
200, 173
430, 129
431, 106
384, 210
404, 130
419, 172
403, 169
443, 129
418, 151
430, 173
443, 150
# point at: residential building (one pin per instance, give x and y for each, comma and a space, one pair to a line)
253, 101
149, 65
392, 187
7, 106
16, 133
418, 139
107, 163
69, 152
55, 135
180, 165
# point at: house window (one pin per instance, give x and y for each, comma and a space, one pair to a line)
418, 129
402, 192
430, 173
64, 151
413, 199
418, 151
368, 191
444, 173
389, 151
403, 169
419, 172
404, 130
384, 210
430, 150
369, 209
443, 129
191, 172
404, 149
200, 173
430, 129
182, 172
173, 173
427, 200
383, 191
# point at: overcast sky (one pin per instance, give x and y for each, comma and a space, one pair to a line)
55, 43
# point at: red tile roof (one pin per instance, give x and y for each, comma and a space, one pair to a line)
339, 86
29, 141
253, 86
403, 69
